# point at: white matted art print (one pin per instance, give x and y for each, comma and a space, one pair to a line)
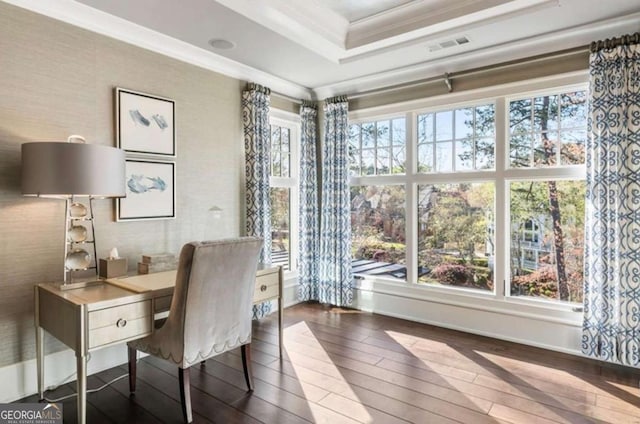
145, 124
150, 191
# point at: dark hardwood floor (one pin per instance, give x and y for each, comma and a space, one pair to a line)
346, 366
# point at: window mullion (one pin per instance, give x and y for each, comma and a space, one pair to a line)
501, 218
411, 194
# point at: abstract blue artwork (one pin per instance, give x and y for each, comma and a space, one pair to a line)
150, 191
145, 123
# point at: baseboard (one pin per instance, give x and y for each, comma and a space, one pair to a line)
60, 367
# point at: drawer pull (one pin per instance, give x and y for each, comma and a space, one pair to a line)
263, 288
121, 323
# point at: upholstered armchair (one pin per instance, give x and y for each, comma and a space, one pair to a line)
210, 311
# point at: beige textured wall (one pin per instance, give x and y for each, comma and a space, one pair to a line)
57, 80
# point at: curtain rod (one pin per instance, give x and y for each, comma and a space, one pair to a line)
446, 78
610, 43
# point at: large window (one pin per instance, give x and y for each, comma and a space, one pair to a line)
283, 194
428, 188
547, 132
455, 237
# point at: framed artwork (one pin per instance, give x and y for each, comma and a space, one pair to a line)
145, 124
150, 191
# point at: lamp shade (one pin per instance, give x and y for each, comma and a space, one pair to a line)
59, 169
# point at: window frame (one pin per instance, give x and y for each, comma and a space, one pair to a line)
502, 175
292, 122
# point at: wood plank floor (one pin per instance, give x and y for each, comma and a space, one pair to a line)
346, 366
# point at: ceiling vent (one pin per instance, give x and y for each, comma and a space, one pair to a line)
448, 43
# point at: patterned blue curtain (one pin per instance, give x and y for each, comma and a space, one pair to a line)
257, 145
309, 241
335, 276
611, 328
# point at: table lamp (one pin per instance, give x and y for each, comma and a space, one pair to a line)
71, 170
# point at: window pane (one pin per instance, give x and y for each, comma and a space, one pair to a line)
544, 146
572, 145
455, 235
398, 160
276, 169
558, 131
573, 112
368, 134
464, 155
545, 113
485, 121
399, 132
383, 132
285, 164
425, 158
464, 123
425, 128
368, 162
444, 125
547, 263
444, 157
378, 230
474, 135
383, 161
284, 139
485, 153
280, 225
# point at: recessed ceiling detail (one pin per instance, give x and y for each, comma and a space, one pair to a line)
327, 47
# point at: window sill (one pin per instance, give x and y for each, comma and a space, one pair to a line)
472, 300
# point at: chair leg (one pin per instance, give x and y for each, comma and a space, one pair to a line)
185, 394
246, 364
133, 357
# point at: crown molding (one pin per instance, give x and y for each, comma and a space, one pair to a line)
519, 49
94, 20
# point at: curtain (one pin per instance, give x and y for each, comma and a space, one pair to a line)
257, 145
308, 244
611, 326
335, 276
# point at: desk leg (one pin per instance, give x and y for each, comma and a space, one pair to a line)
82, 388
40, 360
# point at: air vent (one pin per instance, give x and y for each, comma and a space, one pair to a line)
448, 43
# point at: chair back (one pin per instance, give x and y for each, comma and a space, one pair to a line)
213, 296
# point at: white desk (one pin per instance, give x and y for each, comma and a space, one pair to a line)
116, 311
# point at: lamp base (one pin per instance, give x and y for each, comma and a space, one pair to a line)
80, 285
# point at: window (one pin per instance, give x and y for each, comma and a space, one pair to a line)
378, 148
284, 143
457, 140
455, 237
378, 230
427, 188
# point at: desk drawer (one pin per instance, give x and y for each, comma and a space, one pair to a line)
266, 287
119, 323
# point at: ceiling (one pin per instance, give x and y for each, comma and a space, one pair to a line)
329, 47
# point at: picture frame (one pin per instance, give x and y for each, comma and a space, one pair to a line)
150, 190
145, 124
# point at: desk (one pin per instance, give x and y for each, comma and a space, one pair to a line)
116, 311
